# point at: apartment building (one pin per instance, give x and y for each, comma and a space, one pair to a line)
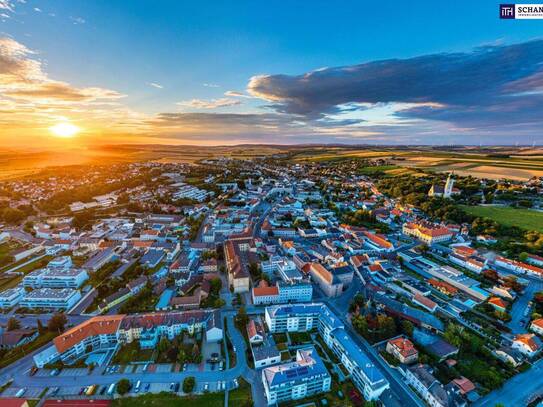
305, 317
10, 297
56, 278
238, 255
51, 298
105, 333
327, 281
296, 380
519, 267
282, 293
420, 377
428, 232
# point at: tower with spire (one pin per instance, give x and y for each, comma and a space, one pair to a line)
447, 192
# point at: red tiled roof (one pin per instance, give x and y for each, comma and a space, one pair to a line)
404, 346
101, 325
464, 384
265, 291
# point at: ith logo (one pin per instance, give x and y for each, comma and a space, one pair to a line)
507, 11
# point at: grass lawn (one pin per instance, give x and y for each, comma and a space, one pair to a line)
5, 249
165, 399
523, 218
132, 353
241, 397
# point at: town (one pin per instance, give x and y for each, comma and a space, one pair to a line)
268, 281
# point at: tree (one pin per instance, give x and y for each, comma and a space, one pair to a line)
407, 327
181, 355
41, 328
188, 384
242, 318
254, 270
57, 323
491, 275
123, 386
13, 323
12, 215
215, 285
163, 345
453, 335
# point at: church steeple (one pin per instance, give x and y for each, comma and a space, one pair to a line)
448, 186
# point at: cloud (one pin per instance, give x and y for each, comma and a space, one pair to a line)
6, 5
22, 78
209, 104
491, 84
236, 94
211, 85
156, 85
77, 20
37, 10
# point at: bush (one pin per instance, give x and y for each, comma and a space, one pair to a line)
188, 384
123, 386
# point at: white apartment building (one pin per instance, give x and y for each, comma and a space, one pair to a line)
10, 297
304, 317
55, 278
282, 293
51, 298
296, 380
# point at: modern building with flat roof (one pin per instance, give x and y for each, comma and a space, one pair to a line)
296, 380
51, 298
56, 278
10, 297
305, 317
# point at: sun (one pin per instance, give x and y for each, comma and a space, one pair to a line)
66, 130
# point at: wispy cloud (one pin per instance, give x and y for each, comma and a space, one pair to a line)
6, 5
37, 10
209, 104
236, 94
77, 20
211, 85
156, 85
22, 77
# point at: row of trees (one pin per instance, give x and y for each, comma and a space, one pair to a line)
55, 324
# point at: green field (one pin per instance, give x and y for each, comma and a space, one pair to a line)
522, 218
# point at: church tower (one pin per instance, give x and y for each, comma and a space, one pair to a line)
448, 187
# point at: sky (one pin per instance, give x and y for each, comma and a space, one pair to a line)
91, 72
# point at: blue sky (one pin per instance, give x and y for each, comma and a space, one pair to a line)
173, 66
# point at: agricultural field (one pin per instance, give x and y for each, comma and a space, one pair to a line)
514, 164
523, 218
